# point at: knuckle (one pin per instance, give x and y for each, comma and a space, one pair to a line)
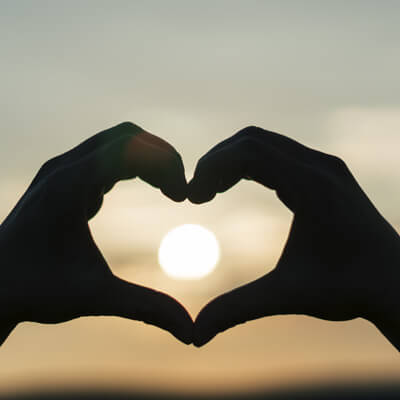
129, 127
337, 165
48, 166
46, 170
251, 130
336, 161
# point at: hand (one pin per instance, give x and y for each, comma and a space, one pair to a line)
341, 260
52, 270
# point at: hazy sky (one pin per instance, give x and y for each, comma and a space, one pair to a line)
322, 72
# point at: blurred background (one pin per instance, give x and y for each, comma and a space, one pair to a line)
324, 73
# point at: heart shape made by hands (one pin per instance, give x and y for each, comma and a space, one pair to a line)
326, 270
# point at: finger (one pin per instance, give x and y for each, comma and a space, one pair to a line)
217, 172
158, 142
139, 303
280, 142
158, 164
266, 296
126, 158
125, 129
249, 158
100, 139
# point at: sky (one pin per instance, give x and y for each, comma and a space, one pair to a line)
324, 73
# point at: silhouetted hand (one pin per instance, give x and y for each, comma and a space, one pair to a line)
341, 260
51, 269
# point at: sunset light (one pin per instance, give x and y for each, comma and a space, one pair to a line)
188, 252
199, 199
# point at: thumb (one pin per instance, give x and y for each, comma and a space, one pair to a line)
128, 300
263, 297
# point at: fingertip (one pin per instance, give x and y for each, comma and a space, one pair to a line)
152, 307
200, 342
222, 313
186, 327
197, 200
197, 194
181, 324
185, 334
176, 192
174, 184
205, 327
202, 337
130, 127
194, 199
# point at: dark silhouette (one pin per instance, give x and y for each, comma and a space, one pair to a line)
52, 270
342, 258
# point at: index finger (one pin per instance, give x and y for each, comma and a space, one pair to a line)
247, 157
142, 155
158, 163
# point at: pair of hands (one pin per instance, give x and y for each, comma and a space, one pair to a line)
341, 260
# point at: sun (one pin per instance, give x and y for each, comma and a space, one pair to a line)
188, 252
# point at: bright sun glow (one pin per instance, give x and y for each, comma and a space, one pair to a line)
188, 252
